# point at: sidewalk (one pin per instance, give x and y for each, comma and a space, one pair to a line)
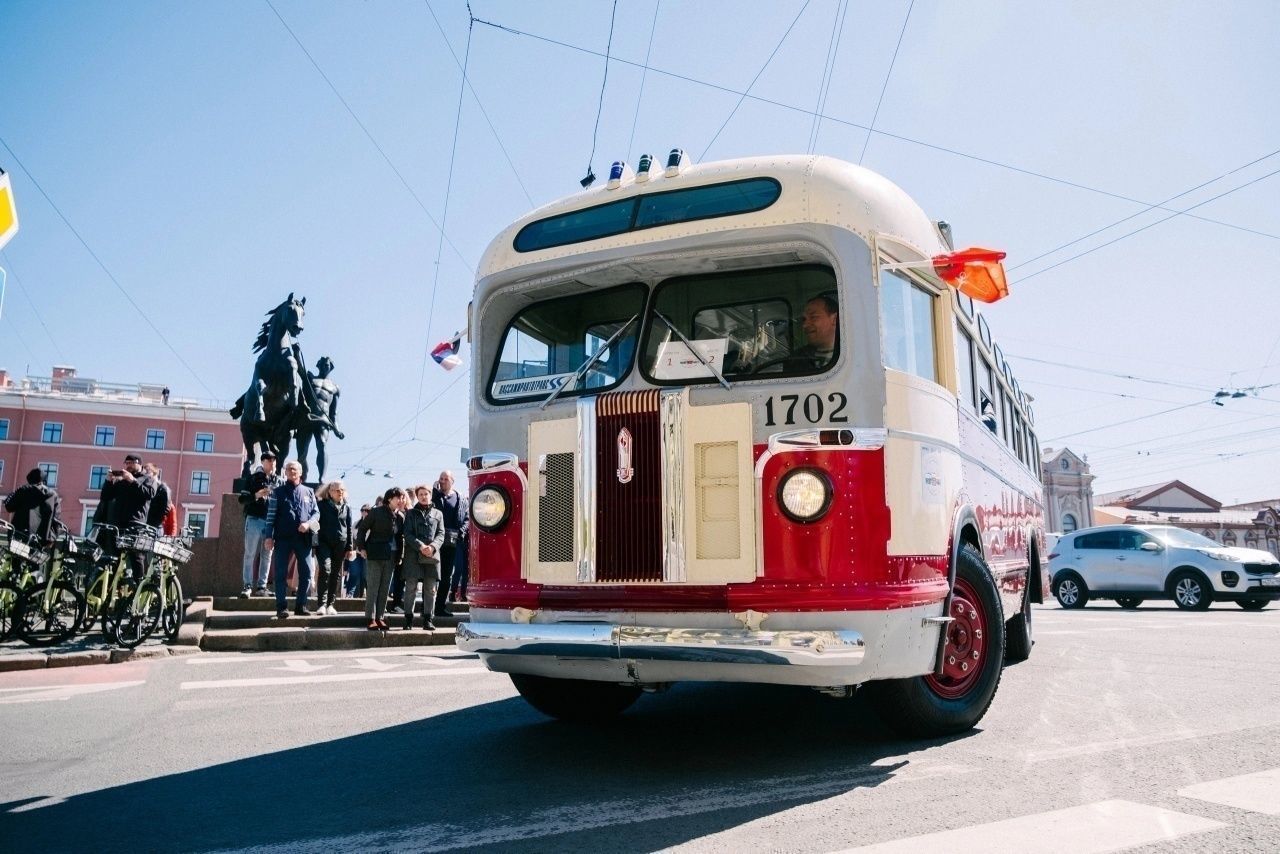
231, 624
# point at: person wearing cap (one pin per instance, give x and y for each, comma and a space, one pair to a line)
35, 508
254, 500
293, 518
126, 499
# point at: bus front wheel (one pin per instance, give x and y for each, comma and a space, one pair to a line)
955, 700
577, 700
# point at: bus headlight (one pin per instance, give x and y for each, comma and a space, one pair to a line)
489, 508
804, 495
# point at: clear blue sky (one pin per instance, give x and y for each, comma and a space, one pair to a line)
213, 170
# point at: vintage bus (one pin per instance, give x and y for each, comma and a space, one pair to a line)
737, 421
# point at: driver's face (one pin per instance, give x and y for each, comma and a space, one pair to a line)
820, 325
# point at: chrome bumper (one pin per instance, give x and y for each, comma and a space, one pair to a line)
642, 643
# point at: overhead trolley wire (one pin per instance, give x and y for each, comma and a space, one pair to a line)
888, 74
1128, 421
613, 17
754, 80
644, 75
1110, 373
1031, 173
828, 72
8, 263
146, 318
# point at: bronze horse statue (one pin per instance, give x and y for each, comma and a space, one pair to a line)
279, 389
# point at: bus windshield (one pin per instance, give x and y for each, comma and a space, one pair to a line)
547, 342
776, 322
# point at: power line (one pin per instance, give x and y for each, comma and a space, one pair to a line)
367, 134
141, 313
1110, 373
1127, 421
27, 295
644, 75
387, 441
885, 87
743, 97
1031, 173
613, 17
824, 85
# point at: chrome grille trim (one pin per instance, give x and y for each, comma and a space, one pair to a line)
671, 412
584, 476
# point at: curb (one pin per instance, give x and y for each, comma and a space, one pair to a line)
83, 657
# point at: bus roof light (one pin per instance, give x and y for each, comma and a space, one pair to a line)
618, 173
642, 169
975, 272
675, 161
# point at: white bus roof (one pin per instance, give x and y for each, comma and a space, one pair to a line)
815, 189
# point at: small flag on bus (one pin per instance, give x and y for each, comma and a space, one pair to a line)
446, 352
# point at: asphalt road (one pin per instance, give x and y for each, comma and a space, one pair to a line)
1153, 730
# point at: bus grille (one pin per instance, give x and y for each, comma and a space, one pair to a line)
555, 523
629, 503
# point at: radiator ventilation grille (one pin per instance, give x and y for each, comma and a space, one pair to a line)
555, 510
716, 486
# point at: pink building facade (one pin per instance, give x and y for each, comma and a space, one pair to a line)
77, 430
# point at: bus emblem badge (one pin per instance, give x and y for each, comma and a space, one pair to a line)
625, 471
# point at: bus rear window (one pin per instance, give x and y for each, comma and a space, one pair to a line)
647, 211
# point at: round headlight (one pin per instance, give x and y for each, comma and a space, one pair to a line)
489, 508
805, 495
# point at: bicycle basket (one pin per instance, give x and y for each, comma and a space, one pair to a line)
19, 549
172, 550
139, 542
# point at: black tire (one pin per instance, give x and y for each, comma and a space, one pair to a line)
1070, 590
39, 625
1253, 604
1129, 602
9, 595
1018, 637
930, 706
175, 609
110, 611
577, 700
136, 617
1190, 590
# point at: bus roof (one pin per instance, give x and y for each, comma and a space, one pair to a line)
815, 189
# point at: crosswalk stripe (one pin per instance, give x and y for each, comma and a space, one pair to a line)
1090, 829
329, 677
1252, 792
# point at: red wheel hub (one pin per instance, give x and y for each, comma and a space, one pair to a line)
965, 652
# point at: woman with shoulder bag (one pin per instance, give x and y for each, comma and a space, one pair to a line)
376, 538
336, 543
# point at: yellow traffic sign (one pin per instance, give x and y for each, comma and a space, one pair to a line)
8, 211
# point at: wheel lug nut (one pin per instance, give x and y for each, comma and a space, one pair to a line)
951, 660
977, 633
964, 665
975, 655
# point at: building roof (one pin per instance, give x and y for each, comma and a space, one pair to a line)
1115, 514
1148, 497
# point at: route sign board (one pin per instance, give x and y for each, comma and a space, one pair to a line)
8, 210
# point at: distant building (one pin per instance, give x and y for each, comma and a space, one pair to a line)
1068, 490
77, 430
1253, 525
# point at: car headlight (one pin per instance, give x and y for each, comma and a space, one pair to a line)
1216, 555
805, 495
489, 508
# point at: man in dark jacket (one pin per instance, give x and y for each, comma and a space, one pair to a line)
293, 517
453, 507
125, 502
160, 504
423, 537
35, 508
254, 499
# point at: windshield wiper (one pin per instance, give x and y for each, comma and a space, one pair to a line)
591, 360
701, 358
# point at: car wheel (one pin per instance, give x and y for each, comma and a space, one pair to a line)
576, 700
1128, 601
1191, 591
1253, 604
1070, 590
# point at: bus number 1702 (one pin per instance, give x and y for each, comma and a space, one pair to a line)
791, 408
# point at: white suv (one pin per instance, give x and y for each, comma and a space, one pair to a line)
1131, 563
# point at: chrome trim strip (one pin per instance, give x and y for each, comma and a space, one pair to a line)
837, 648
584, 478
671, 414
790, 441
955, 449
498, 461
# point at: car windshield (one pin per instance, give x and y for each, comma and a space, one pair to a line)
781, 321
1186, 539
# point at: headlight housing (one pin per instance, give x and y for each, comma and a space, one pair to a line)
804, 495
1217, 555
490, 508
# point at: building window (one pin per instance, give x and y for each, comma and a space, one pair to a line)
50, 472
4, 428
98, 476
204, 443
1068, 523
86, 519
155, 440
1208, 533
1, 472
52, 433
1229, 538
200, 522
104, 436
199, 483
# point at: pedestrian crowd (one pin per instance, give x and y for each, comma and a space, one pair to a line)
409, 539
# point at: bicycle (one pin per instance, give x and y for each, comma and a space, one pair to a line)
110, 581
16, 575
51, 611
157, 602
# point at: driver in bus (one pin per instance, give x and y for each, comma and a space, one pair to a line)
820, 323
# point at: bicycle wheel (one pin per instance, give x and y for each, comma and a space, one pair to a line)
174, 608
8, 603
49, 615
137, 616
110, 619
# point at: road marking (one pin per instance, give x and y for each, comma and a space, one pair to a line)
1252, 792
613, 813
374, 664
1179, 734
298, 665
49, 693
1089, 829
328, 677
254, 657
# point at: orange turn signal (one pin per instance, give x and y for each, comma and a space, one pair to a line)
975, 272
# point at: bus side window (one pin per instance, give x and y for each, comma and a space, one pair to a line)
1004, 417
986, 401
965, 386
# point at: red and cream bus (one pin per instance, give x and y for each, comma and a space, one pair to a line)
740, 421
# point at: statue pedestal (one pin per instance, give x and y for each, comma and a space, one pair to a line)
216, 567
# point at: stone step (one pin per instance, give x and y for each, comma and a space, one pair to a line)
218, 620
268, 603
296, 638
